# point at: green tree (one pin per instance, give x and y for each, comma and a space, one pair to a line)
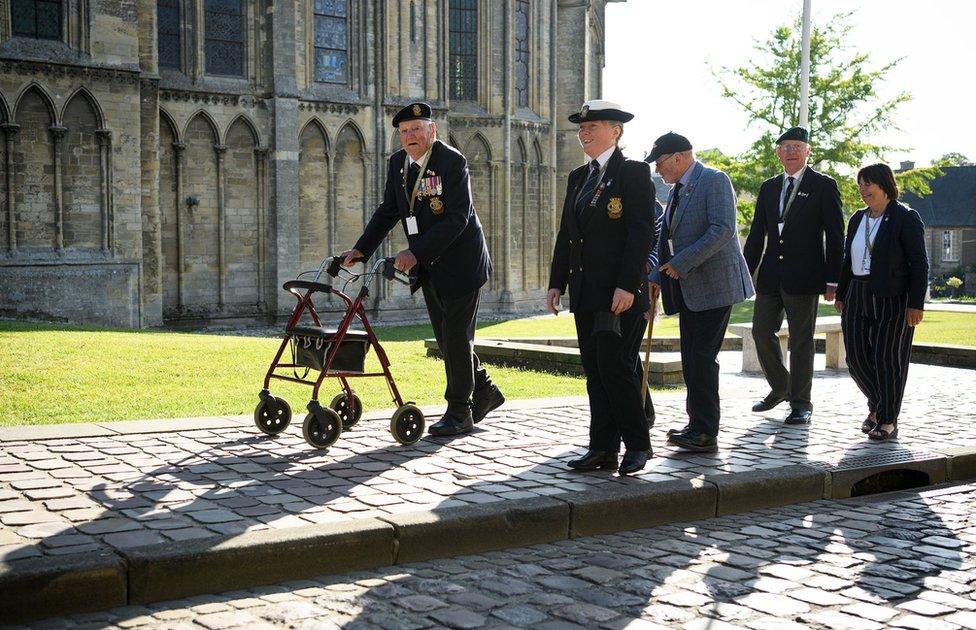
953, 159
845, 111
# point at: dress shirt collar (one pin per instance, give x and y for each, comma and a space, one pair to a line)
797, 176
604, 157
423, 157
686, 178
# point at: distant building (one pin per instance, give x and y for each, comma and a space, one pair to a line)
949, 214
174, 161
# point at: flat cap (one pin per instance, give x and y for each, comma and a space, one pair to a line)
413, 111
600, 110
794, 133
670, 142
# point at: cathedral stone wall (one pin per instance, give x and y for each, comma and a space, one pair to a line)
139, 188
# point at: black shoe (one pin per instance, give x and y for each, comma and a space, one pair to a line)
684, 429
633, 461
696, 442
453, 423
767, 403
594, 460
799, 416
486, 401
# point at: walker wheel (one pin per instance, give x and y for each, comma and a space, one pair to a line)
322, 428
341, 407
407, 424
272, 415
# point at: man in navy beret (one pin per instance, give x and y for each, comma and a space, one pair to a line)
428, 193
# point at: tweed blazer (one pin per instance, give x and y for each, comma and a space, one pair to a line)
712, 272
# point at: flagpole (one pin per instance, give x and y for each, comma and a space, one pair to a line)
805, 68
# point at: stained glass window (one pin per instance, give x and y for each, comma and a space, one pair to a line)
522, 53
331, 41
40, 19
168, 33
224, 42
463, 71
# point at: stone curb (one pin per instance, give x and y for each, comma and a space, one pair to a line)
63, 585
162, 572
475, 529
625, 508
844, 477
50, 586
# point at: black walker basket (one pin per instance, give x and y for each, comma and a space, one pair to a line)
311, 345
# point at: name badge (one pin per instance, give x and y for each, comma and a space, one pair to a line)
781, 224
412, 226
671, 246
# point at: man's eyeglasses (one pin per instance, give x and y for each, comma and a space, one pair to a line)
792, 148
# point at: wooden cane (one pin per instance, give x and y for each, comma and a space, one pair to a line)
650, 333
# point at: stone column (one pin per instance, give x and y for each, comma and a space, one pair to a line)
261, 164
178, 149
57, 136
10, 131
104, 154
220, 150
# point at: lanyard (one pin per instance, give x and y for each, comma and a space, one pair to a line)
868, 231
420, 176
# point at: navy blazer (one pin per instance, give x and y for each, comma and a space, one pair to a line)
450, 248
809, 252
899, 263
607, 245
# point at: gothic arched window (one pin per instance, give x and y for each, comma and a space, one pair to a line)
522, 53
168, 33
40, 19
463, 71
224, 37
331, 41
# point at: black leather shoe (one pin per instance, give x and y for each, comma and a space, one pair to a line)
485, 402
633, 461
452, 423
799, 416
767, 403
684, 429
696, 442
594, 460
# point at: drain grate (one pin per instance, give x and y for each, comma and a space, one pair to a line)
873, 459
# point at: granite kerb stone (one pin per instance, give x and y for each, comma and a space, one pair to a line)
960, 463
471, 529
768, 487
615, 508
211, 565
36, 588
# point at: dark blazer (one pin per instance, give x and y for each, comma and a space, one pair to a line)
809, 252
899, 263
450, 247
606, 247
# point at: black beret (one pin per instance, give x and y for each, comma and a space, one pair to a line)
600, 110
670, 142
794, 133
413, 111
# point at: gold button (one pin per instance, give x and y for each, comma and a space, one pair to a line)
780, 241
781, 257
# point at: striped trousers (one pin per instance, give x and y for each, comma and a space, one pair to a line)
879, 346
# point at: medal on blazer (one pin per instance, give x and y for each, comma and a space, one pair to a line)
436, 205
615, 208
599, 191
430, 186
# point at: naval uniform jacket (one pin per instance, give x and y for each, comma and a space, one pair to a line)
809, 252
606, 246
450, 246
899, 263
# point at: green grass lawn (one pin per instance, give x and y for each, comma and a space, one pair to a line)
57, 374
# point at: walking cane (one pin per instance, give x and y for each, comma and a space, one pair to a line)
652, 292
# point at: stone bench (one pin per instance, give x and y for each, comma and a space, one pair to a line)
665, 367
830, 326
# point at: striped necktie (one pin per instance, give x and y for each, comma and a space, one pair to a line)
589, 187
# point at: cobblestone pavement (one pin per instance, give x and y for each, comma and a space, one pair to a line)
903, 560
65, 496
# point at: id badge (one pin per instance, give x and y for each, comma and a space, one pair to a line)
781, 224
412, 226
671, 246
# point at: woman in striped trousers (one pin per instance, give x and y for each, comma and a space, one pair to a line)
881, 295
